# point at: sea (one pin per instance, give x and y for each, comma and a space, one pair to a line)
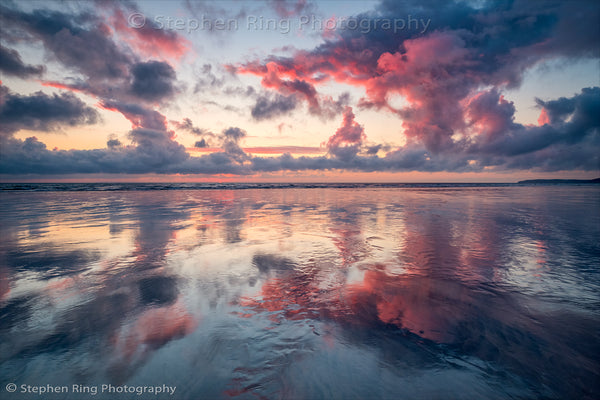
299, 291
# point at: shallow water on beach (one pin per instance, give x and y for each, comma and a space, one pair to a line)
296, 293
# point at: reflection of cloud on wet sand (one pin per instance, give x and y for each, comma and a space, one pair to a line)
133, 344
483, 323
91, 299
444, 295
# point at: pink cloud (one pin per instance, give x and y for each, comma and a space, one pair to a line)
150, 40
543, 119
348, 138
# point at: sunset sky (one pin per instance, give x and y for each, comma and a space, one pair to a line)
299, 91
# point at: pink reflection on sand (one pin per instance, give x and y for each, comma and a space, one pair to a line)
154, 328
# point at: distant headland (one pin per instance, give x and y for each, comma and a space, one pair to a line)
554, 181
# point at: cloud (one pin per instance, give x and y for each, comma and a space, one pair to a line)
79, 41
188, 126
230, 138
42, 112
490, 114
113, 143
290, 8
234, 134
496, 143
348, 139
572, 122
569, 144
11, 64
201, 144
450, 77
153, 80
152, 151
436, 71
270, 106
557, 110
151, 39
139, 116
372, 150
207, 79
107, 67
156, 149
290, 91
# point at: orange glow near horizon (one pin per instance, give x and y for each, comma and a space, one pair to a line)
270, 150
309, 177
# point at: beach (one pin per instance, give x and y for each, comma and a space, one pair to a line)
415, 291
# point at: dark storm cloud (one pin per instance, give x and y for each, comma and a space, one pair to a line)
110, 69
42, 112
12, 64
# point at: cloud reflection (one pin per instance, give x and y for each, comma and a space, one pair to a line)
133, 287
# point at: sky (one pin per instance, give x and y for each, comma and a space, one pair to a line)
299, 91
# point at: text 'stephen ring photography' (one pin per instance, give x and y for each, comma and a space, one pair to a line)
298, 199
